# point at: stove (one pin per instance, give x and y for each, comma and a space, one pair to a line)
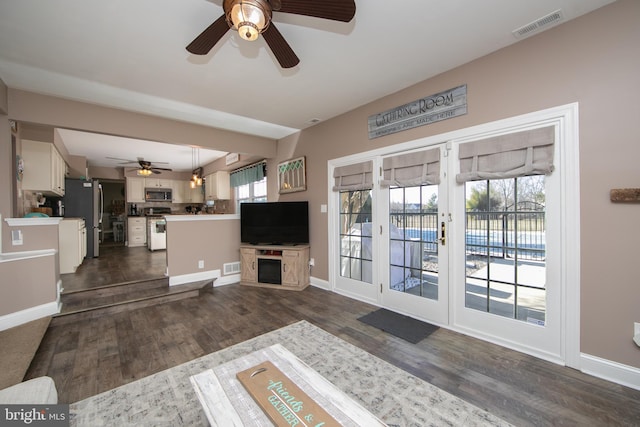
156, 212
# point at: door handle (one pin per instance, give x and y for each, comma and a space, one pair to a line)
443, 232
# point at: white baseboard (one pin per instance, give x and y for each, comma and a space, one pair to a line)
20, 317
227, 280
618, 373
193, 277
319, 283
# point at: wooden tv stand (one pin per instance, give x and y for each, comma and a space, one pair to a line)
265, 266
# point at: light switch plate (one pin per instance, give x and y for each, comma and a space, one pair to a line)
16, 237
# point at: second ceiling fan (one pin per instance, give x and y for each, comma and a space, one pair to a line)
253, 17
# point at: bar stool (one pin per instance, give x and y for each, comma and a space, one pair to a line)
118, 231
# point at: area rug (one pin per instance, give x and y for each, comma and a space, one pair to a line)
396, 397
405, 327
18, 346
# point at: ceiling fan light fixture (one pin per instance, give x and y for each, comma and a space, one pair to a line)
248, 17
144, 172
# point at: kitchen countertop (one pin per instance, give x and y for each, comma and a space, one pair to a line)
201, 217
19, 222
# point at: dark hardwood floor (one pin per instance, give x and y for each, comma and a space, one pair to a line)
88, 357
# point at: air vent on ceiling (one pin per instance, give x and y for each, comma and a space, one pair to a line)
554, 18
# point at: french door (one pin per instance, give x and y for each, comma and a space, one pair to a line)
414, 247
481, 251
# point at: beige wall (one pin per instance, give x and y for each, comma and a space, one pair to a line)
215, 240
47, 110
34, 237
593, 60
28, 283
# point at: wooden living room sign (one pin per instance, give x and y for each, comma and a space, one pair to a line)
281, 399
430, 109
625, 195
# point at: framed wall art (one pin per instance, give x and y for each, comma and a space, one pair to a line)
292, 175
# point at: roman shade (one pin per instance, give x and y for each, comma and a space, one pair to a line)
410, 169
247, 175
508, 156
358, 176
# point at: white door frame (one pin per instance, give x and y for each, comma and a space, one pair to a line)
565, 118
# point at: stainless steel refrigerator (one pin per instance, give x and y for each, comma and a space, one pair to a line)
84, 199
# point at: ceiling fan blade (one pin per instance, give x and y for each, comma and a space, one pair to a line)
336, 10
160, 169
280, 48
202, 44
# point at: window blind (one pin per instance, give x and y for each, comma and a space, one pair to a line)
508, 156
358, 176
411, 169
248, 174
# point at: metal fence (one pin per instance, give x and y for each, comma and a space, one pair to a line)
500, 234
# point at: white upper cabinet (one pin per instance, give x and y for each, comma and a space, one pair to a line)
218, 186
44, 168
135, 190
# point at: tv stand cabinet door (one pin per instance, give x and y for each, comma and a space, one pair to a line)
248, 269
290, 268
295, 267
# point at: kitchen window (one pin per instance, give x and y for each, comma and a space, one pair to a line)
252, 192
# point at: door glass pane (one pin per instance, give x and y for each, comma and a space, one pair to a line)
505, 247
356, 235
413, 246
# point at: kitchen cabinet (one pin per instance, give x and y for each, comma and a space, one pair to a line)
72, 234
158, 183
136, 231
218, 186
44, 168
193, 195
135, 190
179, 191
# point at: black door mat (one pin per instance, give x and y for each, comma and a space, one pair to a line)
405, 327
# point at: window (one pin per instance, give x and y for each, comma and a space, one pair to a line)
413, 240
506, 247
355, 235
252, 192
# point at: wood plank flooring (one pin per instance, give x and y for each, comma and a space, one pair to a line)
88, 357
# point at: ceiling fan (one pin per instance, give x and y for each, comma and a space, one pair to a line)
253, 17
146, 167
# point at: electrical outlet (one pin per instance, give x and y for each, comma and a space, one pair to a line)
312, 262
636, 328
201, 263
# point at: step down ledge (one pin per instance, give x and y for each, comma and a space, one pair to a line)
114, 285
175, 293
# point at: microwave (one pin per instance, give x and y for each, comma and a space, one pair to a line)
157, 194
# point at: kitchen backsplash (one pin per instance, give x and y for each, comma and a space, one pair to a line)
220, 207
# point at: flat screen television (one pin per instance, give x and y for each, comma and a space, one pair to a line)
274, 223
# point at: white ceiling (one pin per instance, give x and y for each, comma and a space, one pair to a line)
131, 55
105, 150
